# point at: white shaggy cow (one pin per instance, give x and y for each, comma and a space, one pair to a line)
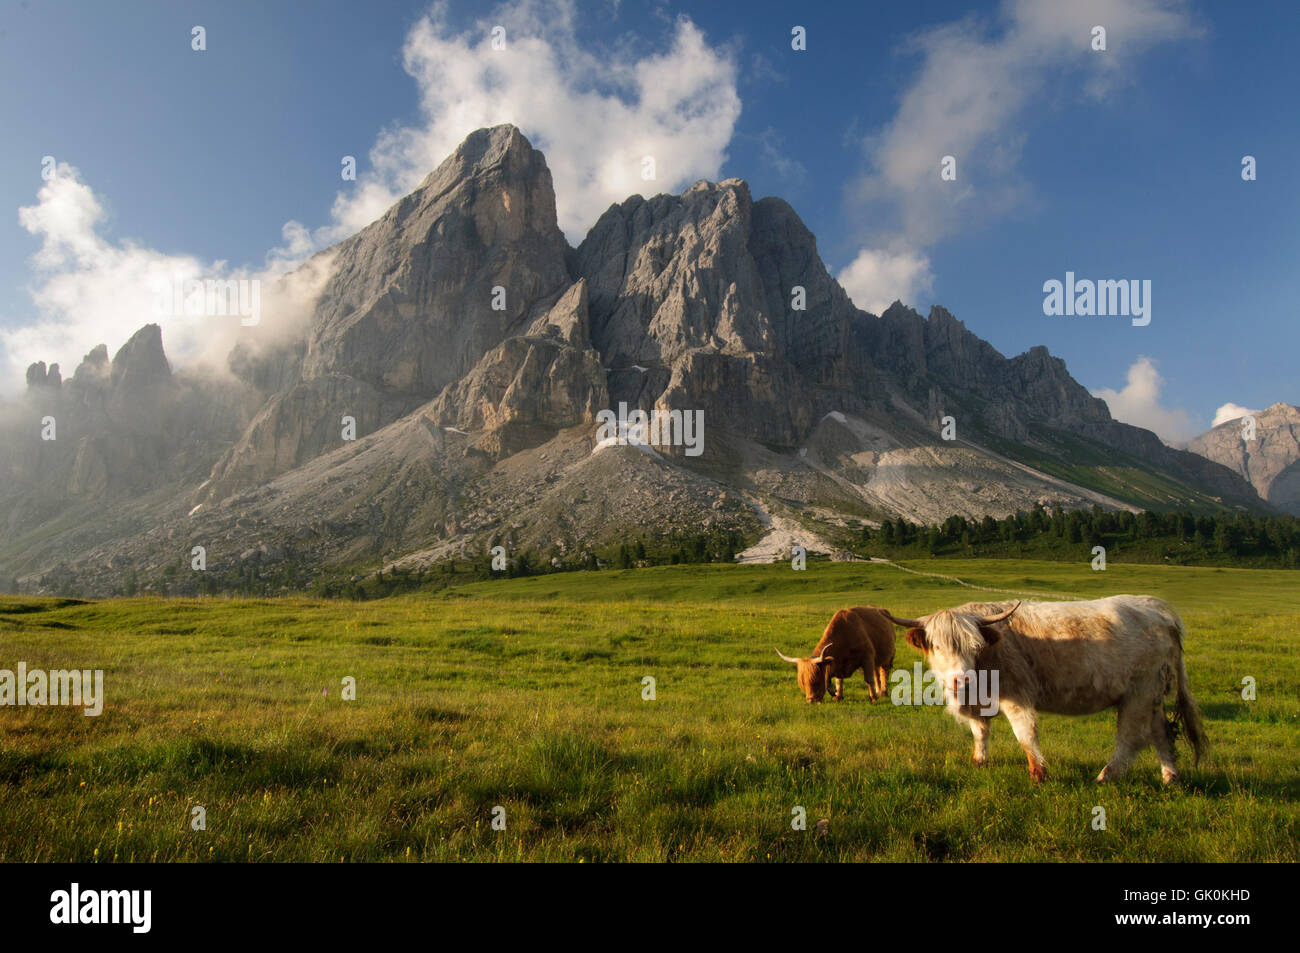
1071, 658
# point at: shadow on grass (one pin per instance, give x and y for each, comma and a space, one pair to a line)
1204, 781
432, 713
934, 845
188, 760
1217, 784
22, 607
18, 766
1225, 711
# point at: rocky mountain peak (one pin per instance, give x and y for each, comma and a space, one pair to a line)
412, 304
94, 367
1270, 459
38, 378
502, 145
413, 300
141, 362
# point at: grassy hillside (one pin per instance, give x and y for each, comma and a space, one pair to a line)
527, 693
1119, 475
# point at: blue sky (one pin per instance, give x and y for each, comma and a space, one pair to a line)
1123, 163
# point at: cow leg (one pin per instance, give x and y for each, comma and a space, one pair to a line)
1024, 722
839, 688
1164, 745
979, 727
882, 680
1132, 734
868, 669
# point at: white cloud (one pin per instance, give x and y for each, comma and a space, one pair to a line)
875, 279
1230, 411
91, 291
595, 112
1139, 404
974, 84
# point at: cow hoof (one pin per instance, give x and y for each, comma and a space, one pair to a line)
1039, 774
1168, 776
979, 762
1103, 778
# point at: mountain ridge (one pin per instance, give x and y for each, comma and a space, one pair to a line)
473, 347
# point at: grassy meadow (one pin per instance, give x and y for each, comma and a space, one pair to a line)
527, 693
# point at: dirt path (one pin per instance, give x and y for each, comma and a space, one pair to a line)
971, 585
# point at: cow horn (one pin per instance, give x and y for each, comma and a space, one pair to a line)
904, 623
824, 651
1001, 615
786, 657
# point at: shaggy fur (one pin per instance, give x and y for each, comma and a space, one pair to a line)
1071, 658
857, 638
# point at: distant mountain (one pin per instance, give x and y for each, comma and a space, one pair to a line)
475, 349
1270, 461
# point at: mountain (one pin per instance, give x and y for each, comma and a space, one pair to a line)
474, 351
1269, 460
120, 430
408, 307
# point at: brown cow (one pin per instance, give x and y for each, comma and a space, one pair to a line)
1072, 658
858, 638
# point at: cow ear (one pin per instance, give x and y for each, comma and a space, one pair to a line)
991, 635
916, 639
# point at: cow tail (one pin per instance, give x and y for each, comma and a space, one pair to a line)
1187, 716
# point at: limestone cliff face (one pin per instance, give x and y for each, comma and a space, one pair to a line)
674, 274
693, 307
412, 304
1029, 399
712, 301
1271, 461
530, 386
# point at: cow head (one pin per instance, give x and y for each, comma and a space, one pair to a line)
813, 673
951, 640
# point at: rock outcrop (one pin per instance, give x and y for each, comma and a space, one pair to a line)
115, 431
528, 387
1270, 460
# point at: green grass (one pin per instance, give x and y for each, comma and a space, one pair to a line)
526, 693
